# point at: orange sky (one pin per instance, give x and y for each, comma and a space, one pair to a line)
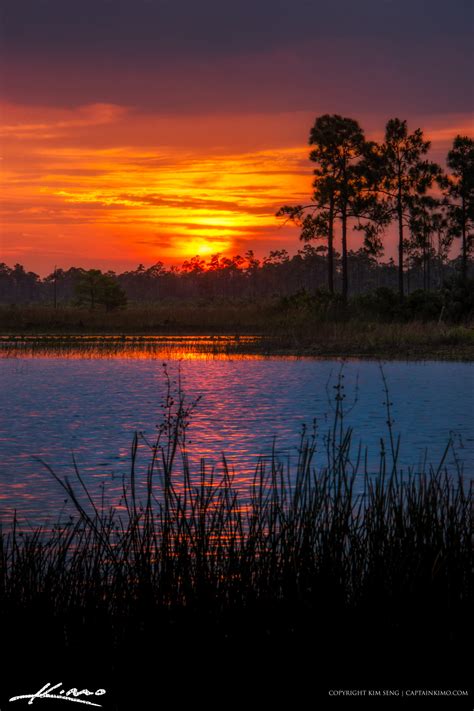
109, 186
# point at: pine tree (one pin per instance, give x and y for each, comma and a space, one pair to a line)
460, 194
403, 177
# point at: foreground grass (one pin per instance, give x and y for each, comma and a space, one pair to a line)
324, 560
280, 332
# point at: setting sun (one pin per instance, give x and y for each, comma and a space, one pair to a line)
196, 247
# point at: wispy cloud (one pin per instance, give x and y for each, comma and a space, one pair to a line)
60, 125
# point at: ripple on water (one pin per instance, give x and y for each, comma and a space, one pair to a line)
54, 408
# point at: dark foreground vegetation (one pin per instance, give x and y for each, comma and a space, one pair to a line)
328, 576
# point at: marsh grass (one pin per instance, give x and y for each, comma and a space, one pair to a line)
113, 346
298, 331
168, 317
350, 339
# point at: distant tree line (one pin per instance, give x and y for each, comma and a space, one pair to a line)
276, 275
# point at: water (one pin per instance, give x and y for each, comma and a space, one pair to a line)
57, 407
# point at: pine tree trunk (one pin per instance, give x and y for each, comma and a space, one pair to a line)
464, 239
425, 264
428, 264
400, 243
331, 249
345, 281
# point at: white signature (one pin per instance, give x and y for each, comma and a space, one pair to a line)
72, 695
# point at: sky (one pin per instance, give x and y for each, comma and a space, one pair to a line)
137, 131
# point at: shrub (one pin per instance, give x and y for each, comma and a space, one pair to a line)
458, 297
423, 306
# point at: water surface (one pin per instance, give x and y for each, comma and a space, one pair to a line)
54, 408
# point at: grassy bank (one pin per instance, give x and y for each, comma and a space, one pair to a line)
331, 569
294, 331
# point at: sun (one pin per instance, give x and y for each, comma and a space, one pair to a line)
204, 248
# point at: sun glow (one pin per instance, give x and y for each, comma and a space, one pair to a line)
201, 248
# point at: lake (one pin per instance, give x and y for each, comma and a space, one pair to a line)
54, 407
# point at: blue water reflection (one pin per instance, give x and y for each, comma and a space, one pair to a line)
55, 407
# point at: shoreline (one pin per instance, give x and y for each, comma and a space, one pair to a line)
50, 343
